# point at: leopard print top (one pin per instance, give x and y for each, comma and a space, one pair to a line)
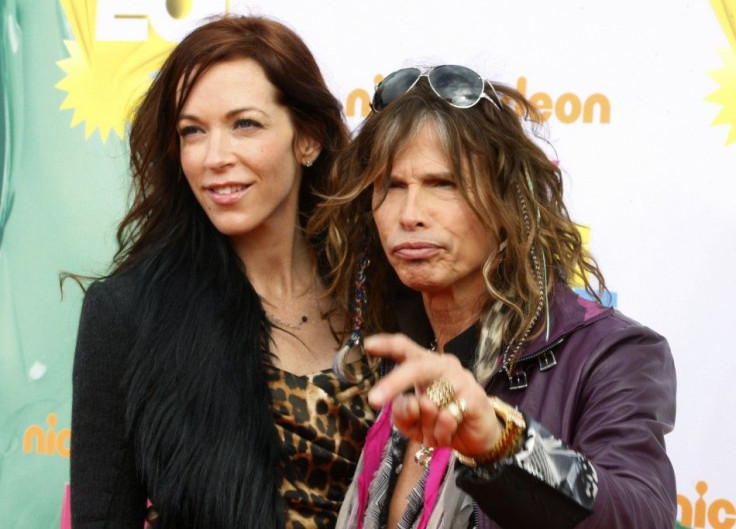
322, 423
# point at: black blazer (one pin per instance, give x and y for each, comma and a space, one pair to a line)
105, 489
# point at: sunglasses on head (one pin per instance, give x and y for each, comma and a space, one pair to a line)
459, 86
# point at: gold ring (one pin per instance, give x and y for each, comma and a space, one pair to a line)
457, 409
440, 392
442, 395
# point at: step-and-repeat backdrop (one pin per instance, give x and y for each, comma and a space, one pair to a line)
640, 100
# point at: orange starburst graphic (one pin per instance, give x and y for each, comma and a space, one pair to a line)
104, 79
725, 95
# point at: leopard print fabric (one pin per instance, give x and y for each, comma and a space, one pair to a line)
322, 423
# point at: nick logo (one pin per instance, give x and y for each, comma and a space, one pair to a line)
717, 514
47, 442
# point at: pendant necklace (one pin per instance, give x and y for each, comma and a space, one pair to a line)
294, 326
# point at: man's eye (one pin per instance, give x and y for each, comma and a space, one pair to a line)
444, 183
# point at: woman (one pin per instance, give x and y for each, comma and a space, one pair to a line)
202, 377
511, 402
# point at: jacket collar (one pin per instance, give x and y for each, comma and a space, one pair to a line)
568, 311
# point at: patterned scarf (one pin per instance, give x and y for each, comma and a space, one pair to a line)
379, 462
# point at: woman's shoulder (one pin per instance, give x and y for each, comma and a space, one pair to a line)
106, 329
116, 292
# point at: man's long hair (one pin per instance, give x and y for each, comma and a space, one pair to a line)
505, 178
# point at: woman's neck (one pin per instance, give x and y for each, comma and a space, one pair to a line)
278, 264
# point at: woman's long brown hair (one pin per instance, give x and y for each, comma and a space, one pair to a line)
198, 406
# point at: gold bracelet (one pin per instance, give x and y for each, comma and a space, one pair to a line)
510, 440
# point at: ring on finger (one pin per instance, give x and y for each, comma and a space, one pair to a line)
440, 392
457, 408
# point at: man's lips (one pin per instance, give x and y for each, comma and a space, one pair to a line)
415, 250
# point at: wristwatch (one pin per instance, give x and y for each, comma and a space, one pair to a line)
511, 438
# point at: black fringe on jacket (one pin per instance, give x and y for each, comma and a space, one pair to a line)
199, 408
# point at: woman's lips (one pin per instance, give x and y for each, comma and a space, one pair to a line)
415, 250
226, 194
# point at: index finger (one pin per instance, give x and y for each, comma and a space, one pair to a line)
419, 371
398, 347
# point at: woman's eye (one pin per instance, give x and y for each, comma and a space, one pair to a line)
246, 123
188, 130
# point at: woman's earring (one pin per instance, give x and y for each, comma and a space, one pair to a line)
308, 163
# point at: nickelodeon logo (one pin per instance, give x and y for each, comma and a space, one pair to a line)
47, 441
718, 514
567, 108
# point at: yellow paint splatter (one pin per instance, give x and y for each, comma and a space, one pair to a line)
725, 95
104, 79
578, 279
726, 13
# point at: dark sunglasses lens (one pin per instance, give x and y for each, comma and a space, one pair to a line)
459, 86
394, 86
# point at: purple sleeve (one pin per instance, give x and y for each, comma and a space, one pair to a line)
627, 408
615, 472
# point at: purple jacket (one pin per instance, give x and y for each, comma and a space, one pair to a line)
605, 386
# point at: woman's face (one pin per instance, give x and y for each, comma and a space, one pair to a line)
430, 235
238, 151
